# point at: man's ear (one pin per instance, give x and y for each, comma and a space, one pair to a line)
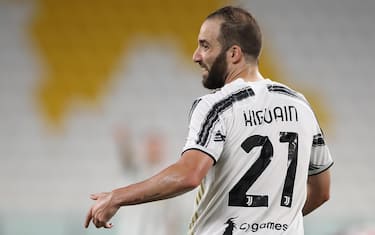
235, 54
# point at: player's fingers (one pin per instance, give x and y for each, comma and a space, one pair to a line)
94, 196
100, 224
96, 222
88, 218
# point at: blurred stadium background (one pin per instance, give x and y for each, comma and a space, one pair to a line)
84, 83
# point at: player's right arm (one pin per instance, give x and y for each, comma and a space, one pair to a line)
318, 191
180, 177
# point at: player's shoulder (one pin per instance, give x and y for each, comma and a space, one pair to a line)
228, 93
293, 96
223, 98
282, 89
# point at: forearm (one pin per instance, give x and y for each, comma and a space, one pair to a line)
317, 192
170, 182
311, 202
183, 176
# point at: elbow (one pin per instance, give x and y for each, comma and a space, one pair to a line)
193, 167
324, 197
191, 182
191, 179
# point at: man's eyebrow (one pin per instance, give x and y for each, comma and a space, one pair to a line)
203, 41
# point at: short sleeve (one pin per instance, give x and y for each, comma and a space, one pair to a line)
320, 159
206, 130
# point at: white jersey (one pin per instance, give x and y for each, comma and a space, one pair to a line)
265, 141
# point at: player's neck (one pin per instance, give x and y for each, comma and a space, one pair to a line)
248, 73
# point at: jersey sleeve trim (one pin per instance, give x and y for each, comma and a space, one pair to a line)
208, 154
321, 170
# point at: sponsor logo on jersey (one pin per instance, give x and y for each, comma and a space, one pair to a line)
253, 227
219, 137
230, 227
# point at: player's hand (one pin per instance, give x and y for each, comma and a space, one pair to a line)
102, 211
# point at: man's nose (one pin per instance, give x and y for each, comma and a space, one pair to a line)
197, 56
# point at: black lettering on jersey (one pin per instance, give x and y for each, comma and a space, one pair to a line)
217, 109
286, 113
267, 116
293, 110
259, 116
269, 119
256, 227
278, 113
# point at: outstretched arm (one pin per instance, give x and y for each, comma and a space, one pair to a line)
180, 177
318, 187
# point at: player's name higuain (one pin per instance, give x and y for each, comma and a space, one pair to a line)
267, 116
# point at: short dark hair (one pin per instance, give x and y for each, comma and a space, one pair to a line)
240, 28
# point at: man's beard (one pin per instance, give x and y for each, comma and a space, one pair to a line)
217, 74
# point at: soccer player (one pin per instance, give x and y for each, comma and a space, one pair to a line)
254, 147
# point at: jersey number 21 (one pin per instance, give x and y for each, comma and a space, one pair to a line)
238, 196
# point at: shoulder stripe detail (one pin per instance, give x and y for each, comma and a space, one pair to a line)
318, 140
193, 106
284, 90
208, 154
219, 108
